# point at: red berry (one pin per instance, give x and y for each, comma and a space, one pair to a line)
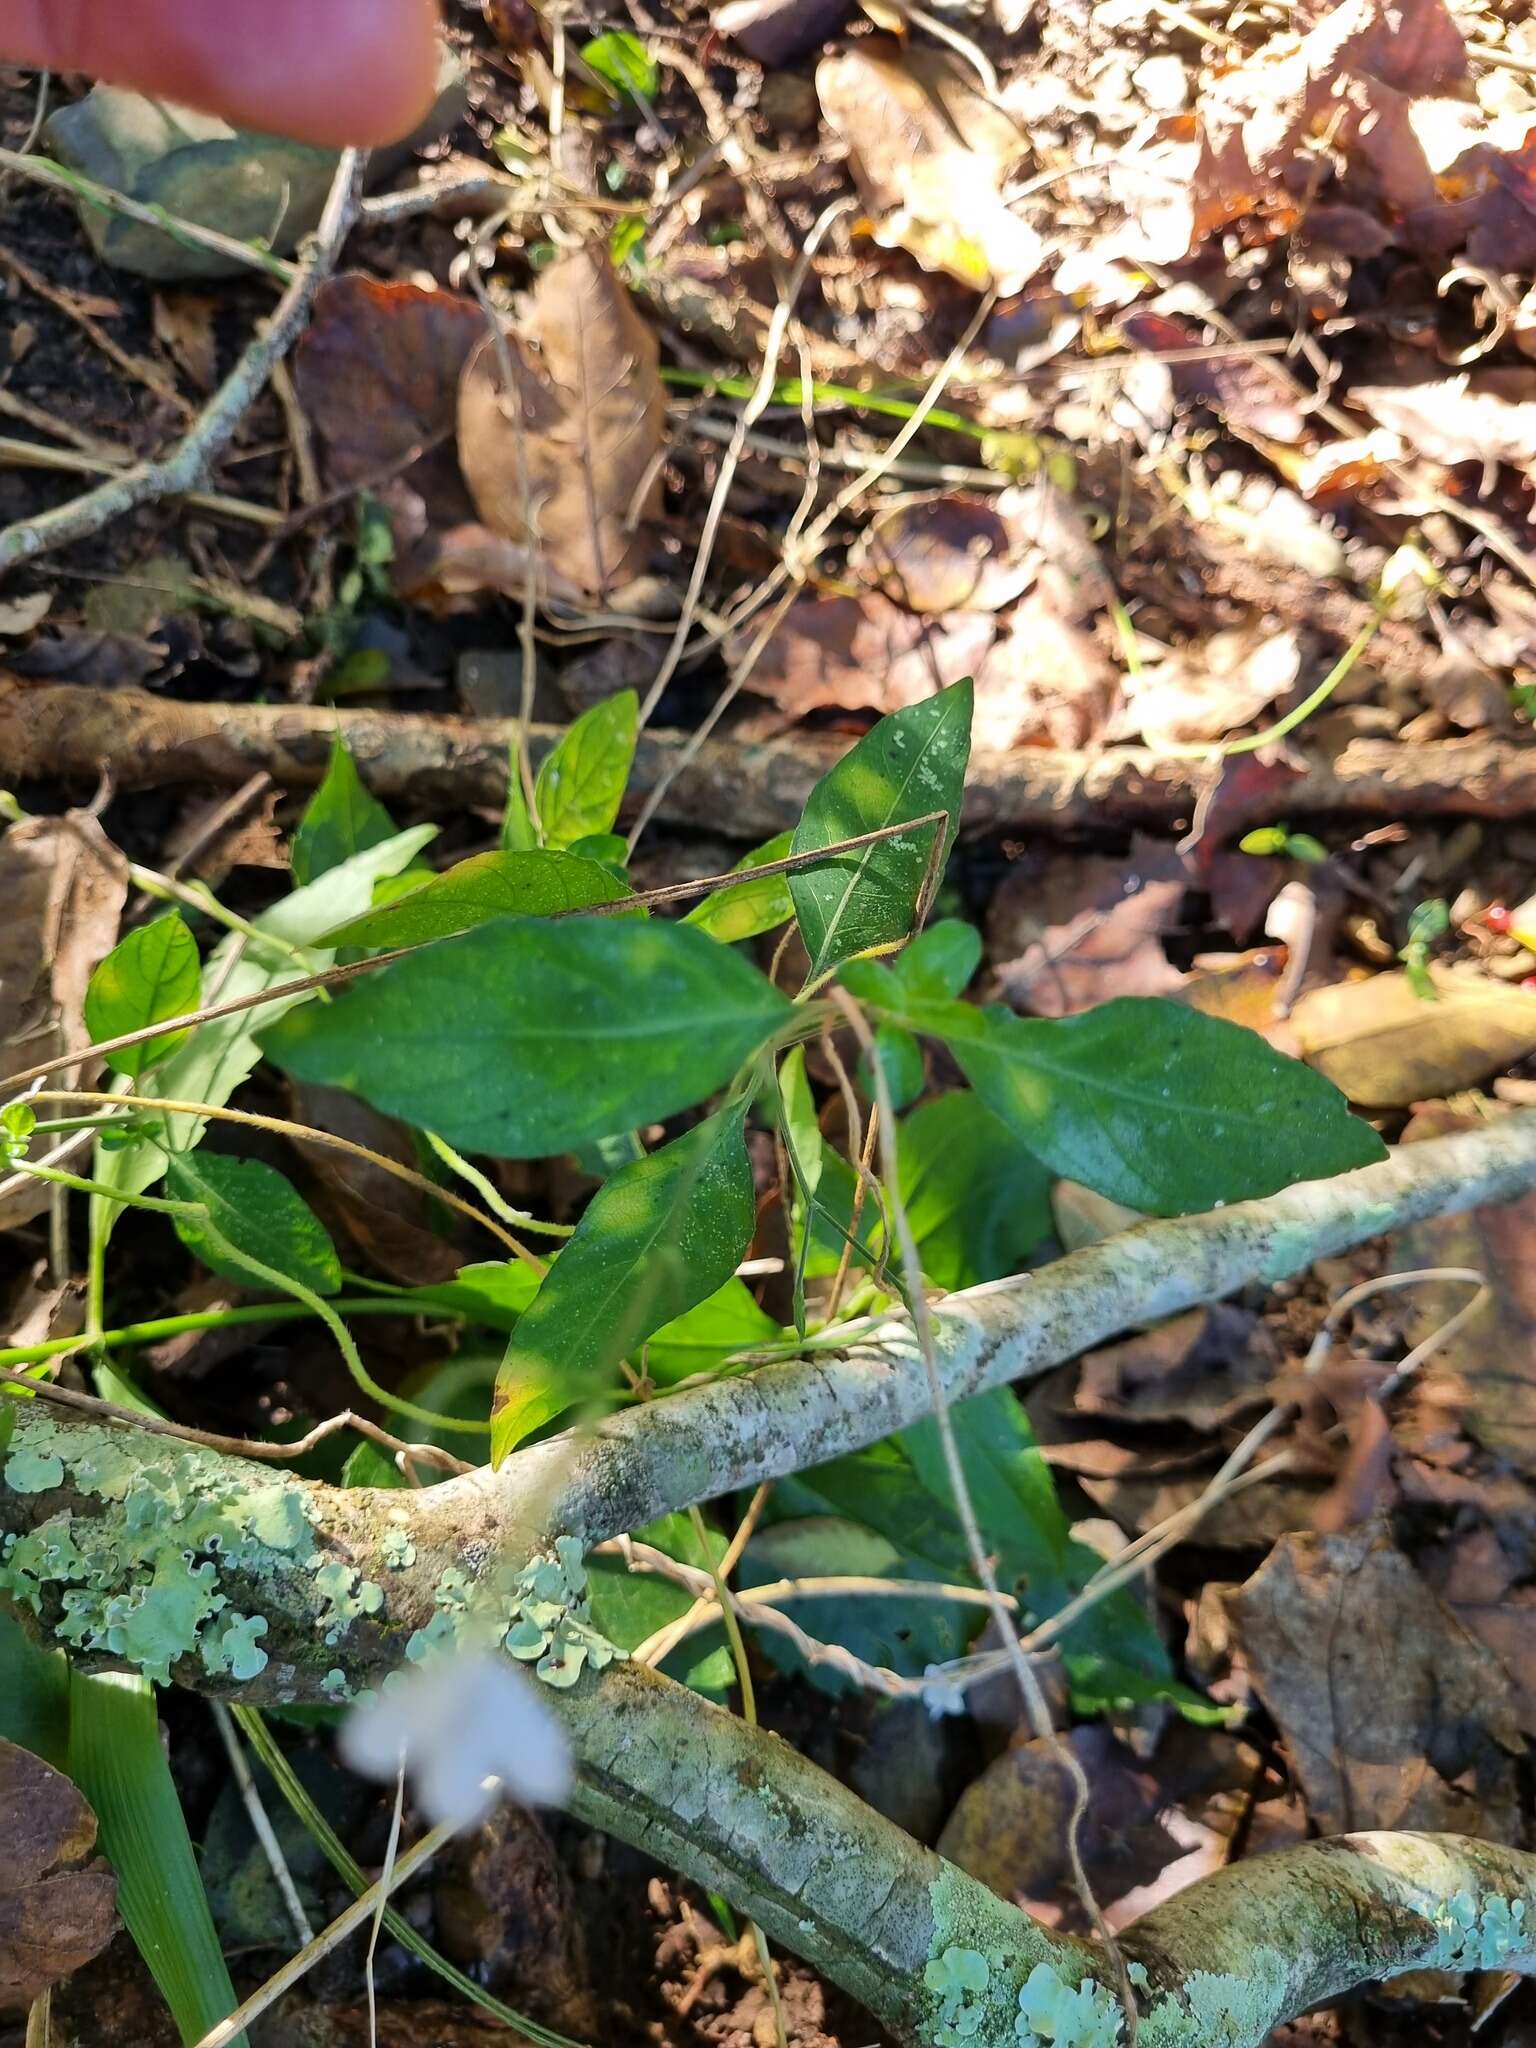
1496, 918
1529, 982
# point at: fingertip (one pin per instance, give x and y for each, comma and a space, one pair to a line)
335, 72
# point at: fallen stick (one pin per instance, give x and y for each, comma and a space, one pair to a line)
741, 789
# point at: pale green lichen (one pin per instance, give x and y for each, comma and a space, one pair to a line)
1477, 1935
143, 1585
397, 1549
336, 1685
344, 1596
539, 1615
1217, 2010
1082, 2015
988, 1986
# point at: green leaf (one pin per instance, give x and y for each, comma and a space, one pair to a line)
939, 961
803, 1147
525, 1038
611, 848
900, 1059
733, 914
730, 1320
581, 780
218, 1056
485, 886
1145, 1101
116, 1759
977, 1200
259, 1212
341, 819
34, 1695
628, 1607
622, 61
910, 765
626, 239
656, 1240
152, 974
494, 1293
517, 828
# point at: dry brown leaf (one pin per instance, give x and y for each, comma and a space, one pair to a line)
63, 886
385, 1216
776, 32
1205, 692
1476, 1577
1487, 416
1150, 1829
591, 431
929, 153
183, 322
1045, 682
1394, 1714
1086, 929
1204, 1368
57, 1910
378, 374
863, 654
1482, 1379
1386, 1047
945, 552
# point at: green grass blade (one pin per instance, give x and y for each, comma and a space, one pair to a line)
261, 1739
116, 1759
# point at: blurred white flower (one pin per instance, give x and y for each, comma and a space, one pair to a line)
453, 1724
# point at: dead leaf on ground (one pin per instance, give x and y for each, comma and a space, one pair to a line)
1481, 416
929, 153
1045, 682
386, 1217
378, 372
1386, 1047
1478, 1579
1394, 1714
1483, 1377
591, 431
21, 614
1205, 1368
63, 885
863, 654
1250, 393
1084, 929
1151, 1828
1207, 691
57, 1909
944, 553
183, 322
504, 1908
450, 570
776, 32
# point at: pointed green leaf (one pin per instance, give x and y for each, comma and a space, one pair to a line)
152, 974
619, 57
909, 766
485, 886
1144, 1100
731, 914
259, 1212
341, 819
116, 1759
580, 783
526, 1038
977, 1200
656, 1240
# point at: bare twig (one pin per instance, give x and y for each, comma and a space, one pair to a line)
185, 468
261, 1824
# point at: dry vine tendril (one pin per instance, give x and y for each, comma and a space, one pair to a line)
528, 1003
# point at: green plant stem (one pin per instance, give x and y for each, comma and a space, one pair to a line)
791, 391
199, 897
1226, 749
158, 1328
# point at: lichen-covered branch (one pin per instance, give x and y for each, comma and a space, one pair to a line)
179, 1562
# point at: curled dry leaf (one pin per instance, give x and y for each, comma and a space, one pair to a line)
378, 371
57, 1908
1385, 1046
1045, 682
63, 886
930, 154
1204, 692
577, 468
1489, 416
945, 553
387, 1218
863, 654
1394, 1714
